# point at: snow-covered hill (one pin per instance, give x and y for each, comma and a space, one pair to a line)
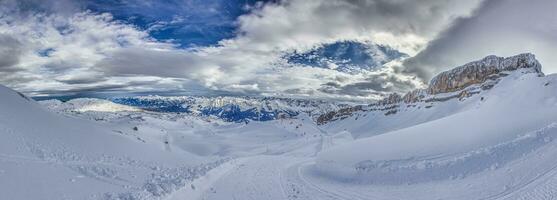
44, 155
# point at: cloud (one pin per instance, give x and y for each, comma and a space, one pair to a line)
498, 27
87, 50
60, 7
403, 24
10, 51
74, 47
373, 85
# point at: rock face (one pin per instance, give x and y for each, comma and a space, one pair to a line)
479, 71
339, 114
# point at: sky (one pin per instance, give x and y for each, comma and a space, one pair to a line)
245, 47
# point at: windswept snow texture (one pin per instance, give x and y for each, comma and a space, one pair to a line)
346, 56
496, 142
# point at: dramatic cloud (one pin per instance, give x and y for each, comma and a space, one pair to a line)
404, 24
10, 51
50, 49
498, 27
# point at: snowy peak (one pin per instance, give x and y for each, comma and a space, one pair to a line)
481, 70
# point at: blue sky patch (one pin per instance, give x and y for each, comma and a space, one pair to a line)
346, 56
188, 23
45, 52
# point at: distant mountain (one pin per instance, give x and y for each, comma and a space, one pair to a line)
346, 56
232, 109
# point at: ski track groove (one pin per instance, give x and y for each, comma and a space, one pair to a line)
317, 188
544, 179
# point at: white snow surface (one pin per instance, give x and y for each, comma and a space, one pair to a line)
86, 104
496, 144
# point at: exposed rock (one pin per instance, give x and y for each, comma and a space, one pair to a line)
414, 96
391, 99
333, 115
479, 71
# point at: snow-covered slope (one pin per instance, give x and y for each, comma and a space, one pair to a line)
85, 105
47, 156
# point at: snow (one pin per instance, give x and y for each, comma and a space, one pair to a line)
86, 104
499, 143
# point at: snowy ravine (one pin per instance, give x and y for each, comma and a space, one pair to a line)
490, 138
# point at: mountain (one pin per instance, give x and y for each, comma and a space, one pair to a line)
233, 109
448, 93
346, 56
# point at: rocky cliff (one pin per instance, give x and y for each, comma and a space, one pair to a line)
479, 71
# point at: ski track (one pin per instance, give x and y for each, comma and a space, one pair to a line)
260, 178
